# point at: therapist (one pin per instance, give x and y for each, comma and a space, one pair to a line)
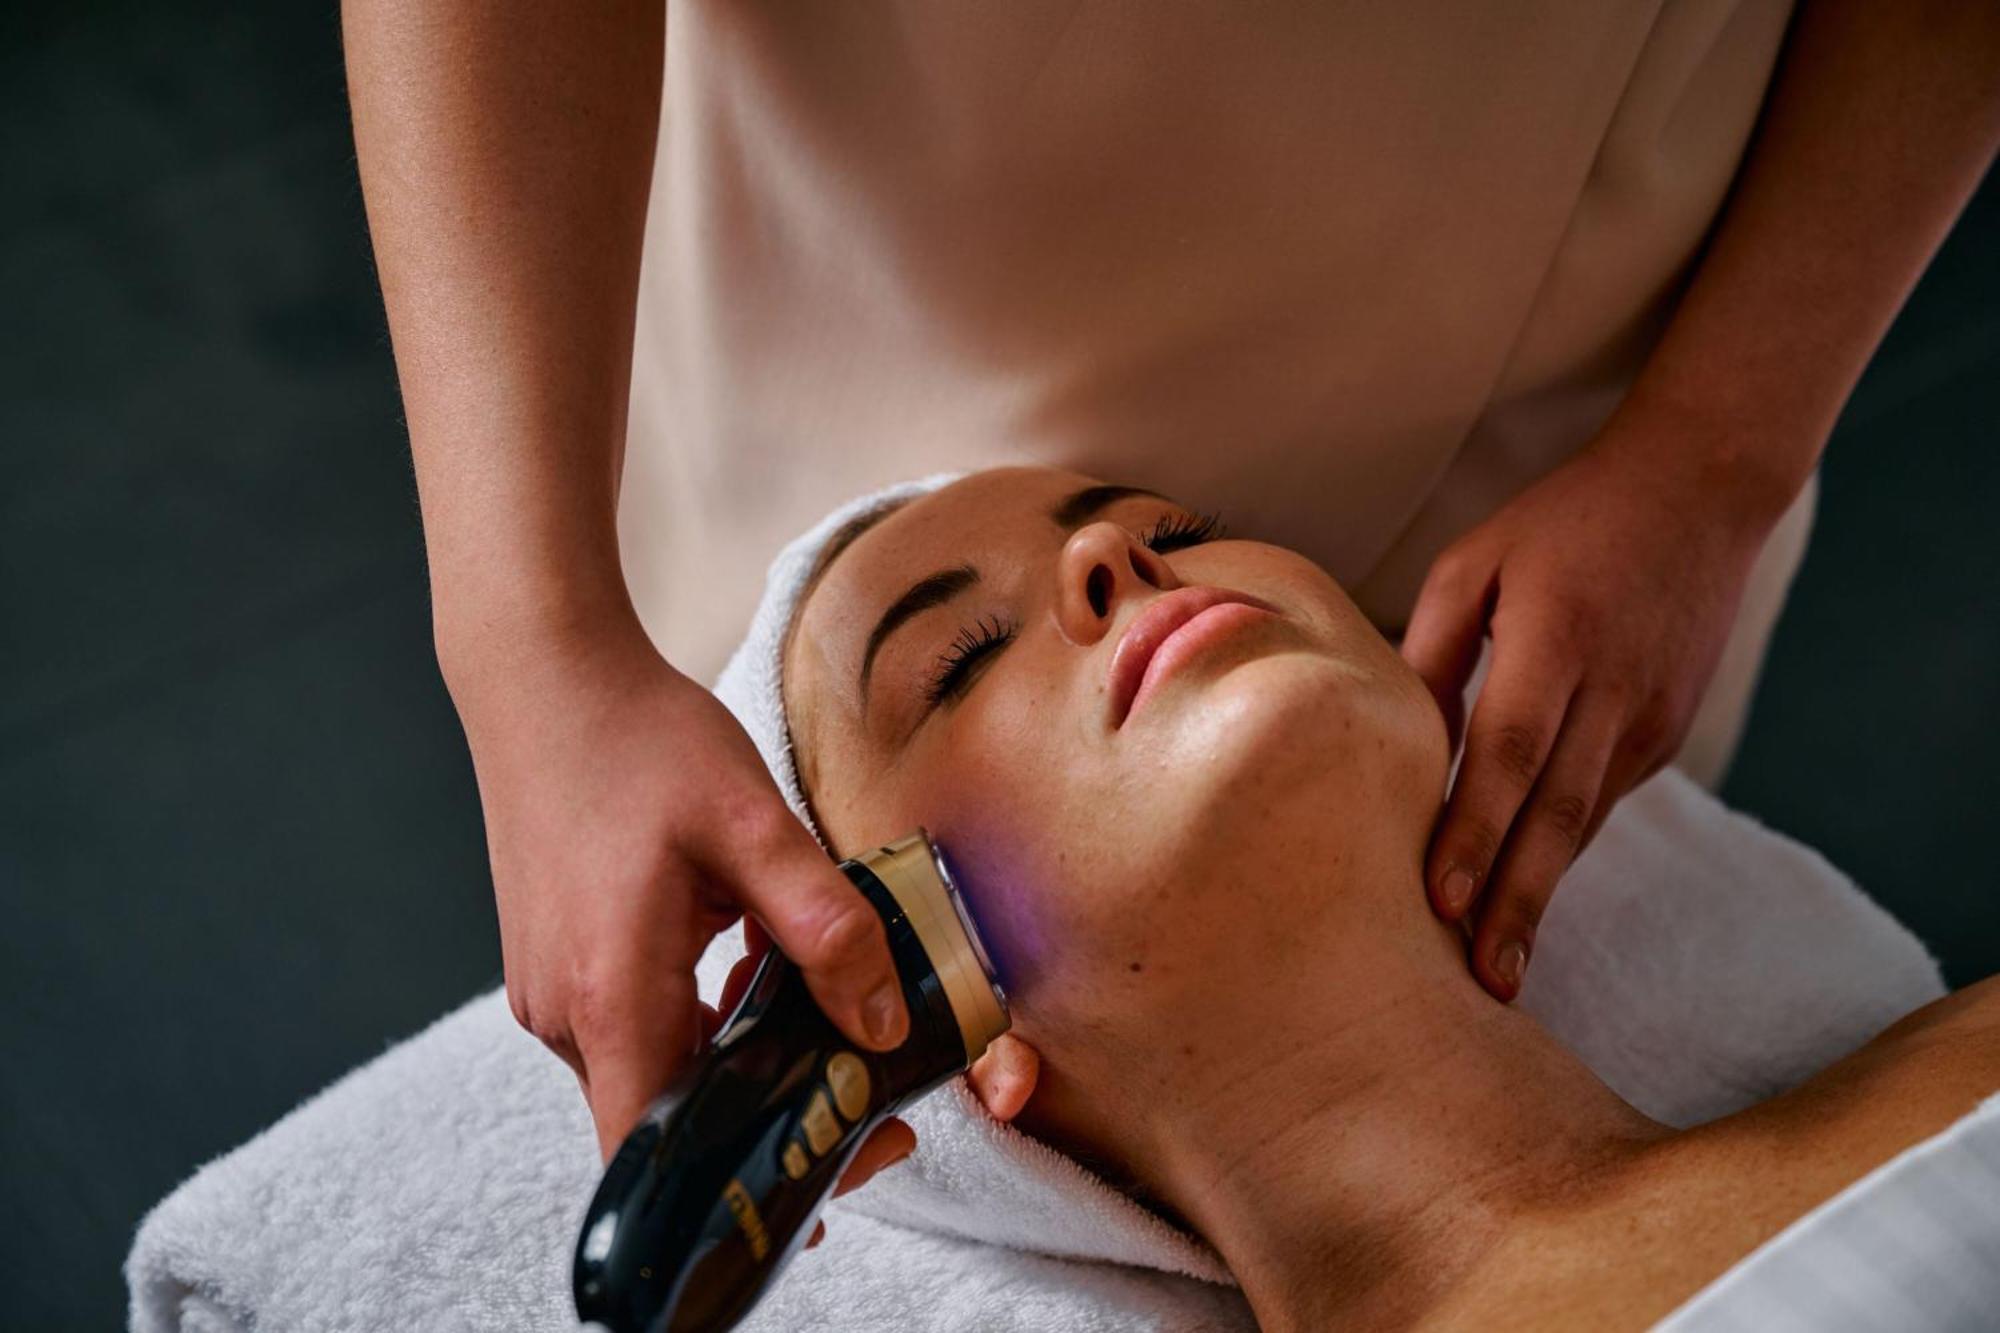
1528, 322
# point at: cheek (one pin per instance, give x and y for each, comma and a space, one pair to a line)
1021, 794
1045, 910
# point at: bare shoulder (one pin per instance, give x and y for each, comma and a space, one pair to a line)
1972, 1011
1923, 1071
1745, 1178
1708, 1197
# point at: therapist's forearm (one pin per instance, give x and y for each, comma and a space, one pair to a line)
506, 154
1880, 121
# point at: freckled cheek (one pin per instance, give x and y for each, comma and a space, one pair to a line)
1030, 906
1024, 763
1002, 815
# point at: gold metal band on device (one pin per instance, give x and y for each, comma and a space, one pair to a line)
917, 877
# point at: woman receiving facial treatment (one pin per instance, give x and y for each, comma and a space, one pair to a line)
1198, 860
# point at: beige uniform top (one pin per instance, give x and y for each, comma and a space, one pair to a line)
1351, 274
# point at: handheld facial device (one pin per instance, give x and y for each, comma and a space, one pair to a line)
718, 1185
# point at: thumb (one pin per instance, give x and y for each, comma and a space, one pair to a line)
1446, 626
821, 921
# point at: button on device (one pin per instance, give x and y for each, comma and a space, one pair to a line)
848, 1078
796, 1164
822, 1130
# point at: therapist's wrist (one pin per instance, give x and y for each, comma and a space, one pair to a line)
492, 636
1741, 471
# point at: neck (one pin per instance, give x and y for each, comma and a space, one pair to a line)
1361, 1174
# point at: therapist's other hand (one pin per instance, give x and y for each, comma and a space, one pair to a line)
629, 820
1608, 588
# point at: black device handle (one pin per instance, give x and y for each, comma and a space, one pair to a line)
717, 1187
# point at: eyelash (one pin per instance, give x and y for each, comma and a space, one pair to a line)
955, 665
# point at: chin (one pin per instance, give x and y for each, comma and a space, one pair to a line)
1262, 750
1284, 714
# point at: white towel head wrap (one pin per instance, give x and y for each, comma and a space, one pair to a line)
751, 683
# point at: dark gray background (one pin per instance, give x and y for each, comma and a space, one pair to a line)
240, 848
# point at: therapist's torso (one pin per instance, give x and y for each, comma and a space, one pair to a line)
1351, 275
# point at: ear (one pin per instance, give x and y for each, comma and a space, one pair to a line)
1004, 1077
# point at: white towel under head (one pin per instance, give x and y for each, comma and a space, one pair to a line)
1695, 960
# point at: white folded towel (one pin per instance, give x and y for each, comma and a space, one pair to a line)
1697, 961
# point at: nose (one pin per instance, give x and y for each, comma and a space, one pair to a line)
1103, 566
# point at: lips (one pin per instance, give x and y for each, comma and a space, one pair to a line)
1151, 629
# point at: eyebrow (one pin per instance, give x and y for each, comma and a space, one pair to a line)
934, 590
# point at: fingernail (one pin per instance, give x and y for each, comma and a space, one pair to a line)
880, 1014
1456, 889
1508, 961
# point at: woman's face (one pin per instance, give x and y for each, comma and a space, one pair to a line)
1118, 868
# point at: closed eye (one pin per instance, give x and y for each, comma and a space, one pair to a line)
1177, 530
955, 665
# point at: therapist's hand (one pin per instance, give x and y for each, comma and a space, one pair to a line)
1608, 589
629, 820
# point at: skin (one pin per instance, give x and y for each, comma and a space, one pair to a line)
1226, 985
